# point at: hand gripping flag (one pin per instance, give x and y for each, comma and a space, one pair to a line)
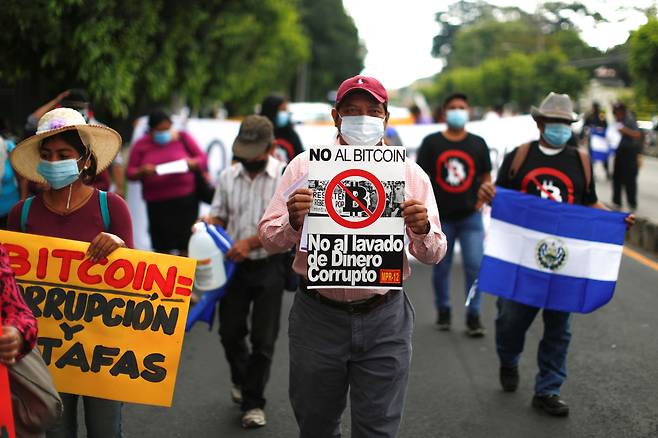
204, 310
551, 255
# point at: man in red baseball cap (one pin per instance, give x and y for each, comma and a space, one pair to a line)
353, 341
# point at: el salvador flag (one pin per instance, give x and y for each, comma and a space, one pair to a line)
599, 144
551, 255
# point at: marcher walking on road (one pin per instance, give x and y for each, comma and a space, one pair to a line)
626, 158
67, 154
287, 144
457, 162
351, 340
549, 169
171, 202
242, 194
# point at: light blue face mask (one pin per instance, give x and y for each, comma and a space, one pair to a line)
456, 118
556, 134
282, 119
59, 174
162, 137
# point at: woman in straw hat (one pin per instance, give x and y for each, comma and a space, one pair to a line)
66, 153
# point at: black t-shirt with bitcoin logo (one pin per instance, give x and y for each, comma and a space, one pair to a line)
454, 167
558, 177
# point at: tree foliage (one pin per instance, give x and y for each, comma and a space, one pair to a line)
519, 78
336, 52
644, 59
133, 54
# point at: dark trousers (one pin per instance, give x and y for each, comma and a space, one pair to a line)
625, 175
256, 288
630, 183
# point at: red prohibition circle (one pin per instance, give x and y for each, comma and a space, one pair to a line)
443, 158
329, 195
533, 174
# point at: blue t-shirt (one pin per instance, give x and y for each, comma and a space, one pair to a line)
9, 194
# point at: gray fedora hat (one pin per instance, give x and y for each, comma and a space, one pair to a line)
255, 136
555, 106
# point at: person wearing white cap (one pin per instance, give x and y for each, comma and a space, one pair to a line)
549, 169
66, 154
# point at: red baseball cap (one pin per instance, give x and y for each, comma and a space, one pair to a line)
365, 83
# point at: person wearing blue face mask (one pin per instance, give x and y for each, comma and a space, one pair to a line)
457, 162
171, 201
66, 154
547, 168
287, 144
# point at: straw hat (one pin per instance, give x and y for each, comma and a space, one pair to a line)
555, 106
102, 141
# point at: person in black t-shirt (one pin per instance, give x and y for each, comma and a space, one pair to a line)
457, 162
549, 169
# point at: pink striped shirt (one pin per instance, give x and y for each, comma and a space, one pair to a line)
277, 235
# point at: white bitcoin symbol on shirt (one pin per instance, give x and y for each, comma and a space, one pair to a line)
456, 172
553, 190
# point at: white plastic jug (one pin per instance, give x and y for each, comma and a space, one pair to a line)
210, 273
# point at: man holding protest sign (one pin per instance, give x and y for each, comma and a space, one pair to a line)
242, 193
550, 170
352, 338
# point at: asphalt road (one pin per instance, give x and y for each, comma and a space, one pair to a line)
453, 391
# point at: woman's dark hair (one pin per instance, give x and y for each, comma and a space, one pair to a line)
270, 107
157, 116
72, 138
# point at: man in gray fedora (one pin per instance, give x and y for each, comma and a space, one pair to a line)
549, 169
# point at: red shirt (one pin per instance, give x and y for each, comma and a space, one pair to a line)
14, 311
83, 224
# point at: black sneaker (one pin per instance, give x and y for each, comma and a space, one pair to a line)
474, 328
551, 404
509, 378
443, 321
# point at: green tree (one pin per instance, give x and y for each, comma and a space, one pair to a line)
131, 55
336, 52
644, 59
520, 78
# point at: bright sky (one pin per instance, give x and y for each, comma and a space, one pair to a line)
398, 33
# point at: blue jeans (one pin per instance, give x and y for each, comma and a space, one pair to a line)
102, 418
470, 233
513, 322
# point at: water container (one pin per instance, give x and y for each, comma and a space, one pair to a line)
210, 272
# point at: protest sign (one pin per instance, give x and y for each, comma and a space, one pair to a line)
6, 416
112, 329
355, 227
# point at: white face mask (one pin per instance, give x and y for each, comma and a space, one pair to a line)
362, 130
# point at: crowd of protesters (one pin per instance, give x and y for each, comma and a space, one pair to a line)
57, 181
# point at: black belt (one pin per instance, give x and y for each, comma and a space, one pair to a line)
352, 307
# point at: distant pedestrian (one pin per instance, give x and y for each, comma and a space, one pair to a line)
171, 202
287, 144
10, 192
457, 162
67, 154
550, 169
351, 341
595, 124
252, 304
626, 158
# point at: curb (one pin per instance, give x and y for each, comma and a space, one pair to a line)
644, 235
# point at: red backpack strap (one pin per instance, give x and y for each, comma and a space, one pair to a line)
519, 159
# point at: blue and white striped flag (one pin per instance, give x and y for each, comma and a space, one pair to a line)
551, 255
600, 149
